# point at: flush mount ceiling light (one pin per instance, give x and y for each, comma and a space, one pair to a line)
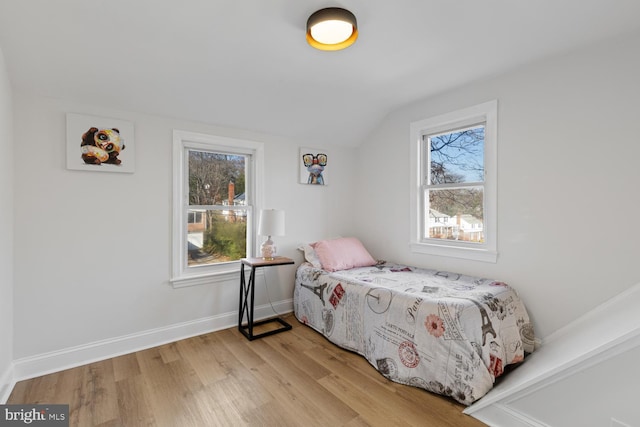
332, 28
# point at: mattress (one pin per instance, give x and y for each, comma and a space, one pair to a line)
448, 333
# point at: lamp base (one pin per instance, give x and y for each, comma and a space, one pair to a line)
268, 249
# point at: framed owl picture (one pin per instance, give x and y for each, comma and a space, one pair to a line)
99, 144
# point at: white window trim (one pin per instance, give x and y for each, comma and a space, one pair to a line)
487, 251
181, 275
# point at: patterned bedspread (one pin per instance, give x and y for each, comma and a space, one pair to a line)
447, 333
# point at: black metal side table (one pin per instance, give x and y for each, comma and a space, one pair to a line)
247, 291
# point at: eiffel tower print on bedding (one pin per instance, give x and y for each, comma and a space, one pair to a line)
448, 333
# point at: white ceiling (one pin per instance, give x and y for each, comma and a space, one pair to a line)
246, 64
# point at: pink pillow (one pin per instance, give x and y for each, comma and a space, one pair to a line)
342, 254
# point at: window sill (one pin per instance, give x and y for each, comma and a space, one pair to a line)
227, 275
473, 254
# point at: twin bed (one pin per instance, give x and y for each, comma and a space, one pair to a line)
447, 333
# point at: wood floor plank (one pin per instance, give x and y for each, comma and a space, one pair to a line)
289, 345
367, 402
271, 414
299, 407
169, 352
250, 388
38, 390
94, 399
319, 345
125, 366
295, 378
241, 349
357, 422
134, 406
445, 410
169, 386
205, 356
352, 367
219, 404
305, 386
102, 380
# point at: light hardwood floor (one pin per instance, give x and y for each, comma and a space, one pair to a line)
295, 378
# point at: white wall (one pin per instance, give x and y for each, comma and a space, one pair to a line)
567, 154
92, 250
6, 231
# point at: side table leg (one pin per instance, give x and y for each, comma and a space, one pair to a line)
242, 302
252, 286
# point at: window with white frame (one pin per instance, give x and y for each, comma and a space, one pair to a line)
453, 184
215, 191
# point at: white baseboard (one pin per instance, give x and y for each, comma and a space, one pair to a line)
46, 363
7, 383
499, 415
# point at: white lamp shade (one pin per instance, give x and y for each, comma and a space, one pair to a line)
271, 222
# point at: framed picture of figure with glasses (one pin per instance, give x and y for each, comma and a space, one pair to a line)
314, 166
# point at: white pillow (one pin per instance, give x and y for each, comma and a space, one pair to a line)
310, 255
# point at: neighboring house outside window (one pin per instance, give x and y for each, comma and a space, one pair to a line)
454, 184
213, 226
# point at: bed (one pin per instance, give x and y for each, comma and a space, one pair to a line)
445, 332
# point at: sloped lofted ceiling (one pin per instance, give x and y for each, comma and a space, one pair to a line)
245, 63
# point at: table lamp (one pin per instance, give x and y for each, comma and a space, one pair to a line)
271, 223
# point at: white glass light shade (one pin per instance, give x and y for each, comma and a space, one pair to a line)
332, 28
332, 31
271, 223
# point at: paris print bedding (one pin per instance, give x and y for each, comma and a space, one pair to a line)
447, 333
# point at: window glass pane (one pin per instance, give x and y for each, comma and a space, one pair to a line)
216, 178
456, 214
194, 217
215, 236
457, 156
